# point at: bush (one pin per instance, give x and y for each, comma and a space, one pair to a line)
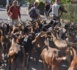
71, 12
41, 7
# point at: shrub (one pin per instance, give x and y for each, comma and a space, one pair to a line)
71, 12
41, 7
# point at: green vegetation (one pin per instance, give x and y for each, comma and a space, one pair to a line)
63, 1
3, 2
41, 7
71, 12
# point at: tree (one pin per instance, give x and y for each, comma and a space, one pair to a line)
63, 1
31, 0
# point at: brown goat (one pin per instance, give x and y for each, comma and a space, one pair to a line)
50, 58
73, 65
